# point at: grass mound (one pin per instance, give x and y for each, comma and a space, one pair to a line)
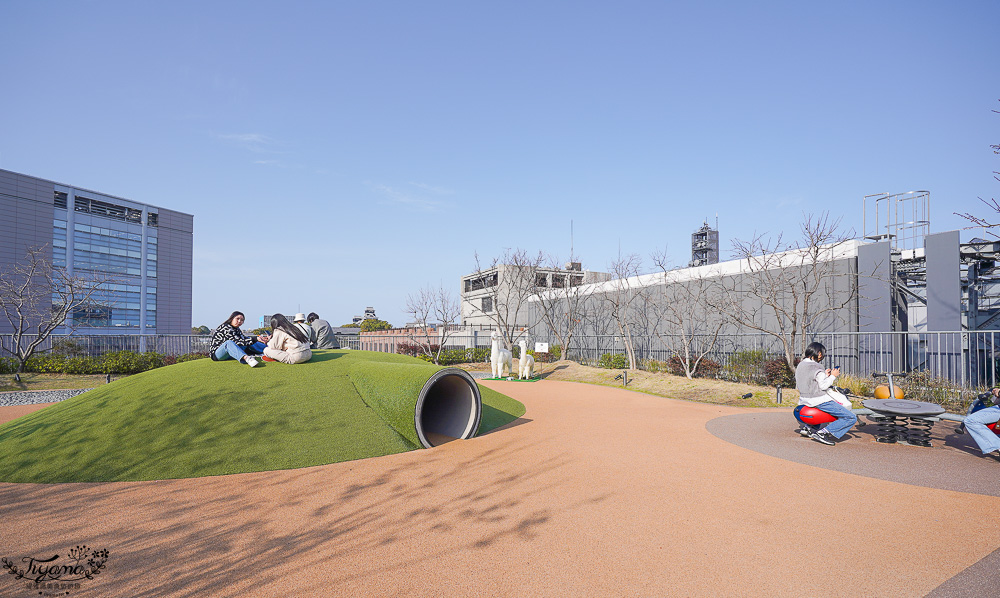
209, 418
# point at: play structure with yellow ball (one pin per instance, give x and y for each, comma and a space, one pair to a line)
882, 392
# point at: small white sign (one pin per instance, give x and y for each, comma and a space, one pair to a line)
541, 347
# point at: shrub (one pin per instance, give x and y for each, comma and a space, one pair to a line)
82, 365
452, 356
543, 357
745, 366
863, 387
447, 357
412, 349
127, 362
477, 355
777, 373
45, 363
706, 368
118, 362
654, 366
613, 361
8, 365
151, 360
922, 386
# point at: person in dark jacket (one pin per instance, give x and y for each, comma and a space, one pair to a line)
229, 342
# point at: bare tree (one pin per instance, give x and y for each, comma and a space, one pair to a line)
688, 325
507, 283
37, 298
788, 288
562, 307
992, 204
619, 295
432, 307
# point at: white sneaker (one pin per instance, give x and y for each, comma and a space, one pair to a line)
252, 361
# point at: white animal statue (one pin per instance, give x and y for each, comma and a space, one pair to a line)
500, 359
527, 365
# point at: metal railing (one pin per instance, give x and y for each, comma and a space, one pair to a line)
966, 359
95, 345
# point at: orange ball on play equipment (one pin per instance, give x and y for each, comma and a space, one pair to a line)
882, 392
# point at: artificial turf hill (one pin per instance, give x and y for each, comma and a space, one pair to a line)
203, 418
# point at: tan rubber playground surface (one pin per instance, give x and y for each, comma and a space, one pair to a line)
594, 492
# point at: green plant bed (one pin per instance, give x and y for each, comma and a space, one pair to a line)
203, 418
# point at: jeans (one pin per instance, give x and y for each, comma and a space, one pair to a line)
845, 418
976, 422
230, 350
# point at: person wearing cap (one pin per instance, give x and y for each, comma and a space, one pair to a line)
325, 338
300, 321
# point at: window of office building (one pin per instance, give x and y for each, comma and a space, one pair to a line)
59, 243
107, 241
151, 247
106, 250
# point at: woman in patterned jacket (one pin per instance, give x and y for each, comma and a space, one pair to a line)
229, 342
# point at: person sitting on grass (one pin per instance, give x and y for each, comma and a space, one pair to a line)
307, 329
229, 342
288, 344
325, 338
812, 380
976, 422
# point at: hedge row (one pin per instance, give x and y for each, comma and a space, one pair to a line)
751, 367
118, 362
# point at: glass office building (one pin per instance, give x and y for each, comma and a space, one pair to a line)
145, 251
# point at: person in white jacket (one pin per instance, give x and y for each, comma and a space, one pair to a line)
812, 381
287, 344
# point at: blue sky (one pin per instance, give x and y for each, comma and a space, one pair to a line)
343, 154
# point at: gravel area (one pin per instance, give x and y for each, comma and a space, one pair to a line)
8, 399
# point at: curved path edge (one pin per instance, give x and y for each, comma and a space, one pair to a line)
952, 462
595, 492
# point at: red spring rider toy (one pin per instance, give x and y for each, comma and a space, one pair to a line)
811, 419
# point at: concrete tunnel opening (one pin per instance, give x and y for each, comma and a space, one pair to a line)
449, 407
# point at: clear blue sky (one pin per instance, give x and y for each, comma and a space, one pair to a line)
343, 154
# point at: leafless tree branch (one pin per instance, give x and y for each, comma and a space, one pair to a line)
432, 307
37, 298
508, 281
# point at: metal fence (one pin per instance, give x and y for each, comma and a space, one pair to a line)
966, 359
95, 345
